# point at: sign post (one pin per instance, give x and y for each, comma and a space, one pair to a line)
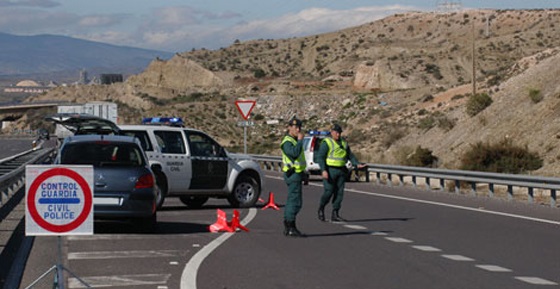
59, 201
245, 107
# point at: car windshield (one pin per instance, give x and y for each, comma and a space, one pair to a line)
102, 153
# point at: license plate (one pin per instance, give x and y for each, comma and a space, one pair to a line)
107, 201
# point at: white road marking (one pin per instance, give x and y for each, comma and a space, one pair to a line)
458, 258
120, 280
535, 281
479, 210
493, 268
188, 278
427, 248
355, 227
398, 240
122, 254
112, 237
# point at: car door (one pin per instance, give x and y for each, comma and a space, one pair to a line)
177, 165
209, 162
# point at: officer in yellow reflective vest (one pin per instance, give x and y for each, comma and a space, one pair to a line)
293, 165
333, 155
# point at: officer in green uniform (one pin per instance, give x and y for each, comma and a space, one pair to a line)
333, 155
293, 165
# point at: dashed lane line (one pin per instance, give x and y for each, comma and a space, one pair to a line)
535, 281
398, 240
493, 268
427, 248
458, 258
355, 227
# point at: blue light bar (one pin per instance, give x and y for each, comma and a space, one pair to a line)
171, 121
318, 132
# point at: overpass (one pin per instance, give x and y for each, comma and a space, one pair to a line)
15, 111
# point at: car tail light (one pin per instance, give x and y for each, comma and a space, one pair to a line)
312, 147
145, 181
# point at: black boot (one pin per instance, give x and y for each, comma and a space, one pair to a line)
286, 228
321, 214
336, 217
292, 231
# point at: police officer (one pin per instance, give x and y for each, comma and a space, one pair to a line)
293, 165
333, 155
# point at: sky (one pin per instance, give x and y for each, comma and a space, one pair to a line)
183, 25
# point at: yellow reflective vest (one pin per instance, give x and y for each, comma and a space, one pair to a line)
287, 163
337, 156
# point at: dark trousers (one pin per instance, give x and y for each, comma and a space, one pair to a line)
295, 199
334, 187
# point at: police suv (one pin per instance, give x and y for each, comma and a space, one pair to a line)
191, 165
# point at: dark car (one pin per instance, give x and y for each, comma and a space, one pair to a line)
124, 185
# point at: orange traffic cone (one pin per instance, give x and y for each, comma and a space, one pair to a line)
271, 203
234, 224
221, 224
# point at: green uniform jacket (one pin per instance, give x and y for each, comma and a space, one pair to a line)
324, 152
292, 151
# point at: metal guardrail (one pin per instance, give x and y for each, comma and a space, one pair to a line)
14, 180
453, 180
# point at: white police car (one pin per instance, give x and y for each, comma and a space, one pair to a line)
191, 165
311, 143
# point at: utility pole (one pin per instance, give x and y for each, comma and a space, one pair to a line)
473, 60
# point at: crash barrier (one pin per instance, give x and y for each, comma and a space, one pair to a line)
13, 175
453, 180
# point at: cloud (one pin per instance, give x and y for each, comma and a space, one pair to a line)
315, 21
100, 20
181, 28
29, 3
32, 21
306, 22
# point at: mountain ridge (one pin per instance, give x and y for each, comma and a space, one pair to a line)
394, 84
51, 54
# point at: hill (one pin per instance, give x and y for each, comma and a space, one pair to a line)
52, 54
394, 84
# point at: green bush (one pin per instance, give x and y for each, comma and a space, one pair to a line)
535, 95
259, 73
478, 103
502, 157
422, 158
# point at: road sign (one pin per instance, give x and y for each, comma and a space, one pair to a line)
245, 123
59, 200
245, 107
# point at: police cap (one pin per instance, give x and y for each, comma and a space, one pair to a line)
295, 121
336, 127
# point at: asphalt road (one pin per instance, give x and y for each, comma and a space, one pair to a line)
14, 146
394, 238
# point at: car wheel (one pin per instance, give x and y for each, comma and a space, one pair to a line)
245, 193
161, 190
193, 202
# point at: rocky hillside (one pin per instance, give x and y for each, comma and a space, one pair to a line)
393, 84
